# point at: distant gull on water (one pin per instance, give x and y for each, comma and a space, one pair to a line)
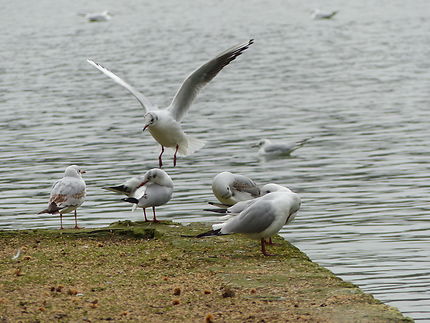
318, 15
164, 124
67, 194
98, 16
267, 148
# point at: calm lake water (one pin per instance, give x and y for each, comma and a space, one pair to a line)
358, 84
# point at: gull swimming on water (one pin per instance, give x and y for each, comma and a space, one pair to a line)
231, 188
155, 189
318, 15
262, 219
67, 194
267, 148
164, 124
98, 16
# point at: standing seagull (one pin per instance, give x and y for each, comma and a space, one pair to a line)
261, 219
67, 194
237, 208
156, 189
231, 188
164, 124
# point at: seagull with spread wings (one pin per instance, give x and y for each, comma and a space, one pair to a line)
164, 124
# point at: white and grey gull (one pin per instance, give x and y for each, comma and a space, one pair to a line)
155, 189
164, 124
67, 194
319, 15
98, 16
270, 149
261, 219
231, 188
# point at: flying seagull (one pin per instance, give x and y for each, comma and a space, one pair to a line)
164, 124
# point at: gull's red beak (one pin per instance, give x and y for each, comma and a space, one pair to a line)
142, 184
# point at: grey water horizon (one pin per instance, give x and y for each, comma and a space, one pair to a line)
358, 84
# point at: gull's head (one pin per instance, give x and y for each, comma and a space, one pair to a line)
271, 187
224, 192
261, 143
221, 186
74, 171
157, 176
149, 120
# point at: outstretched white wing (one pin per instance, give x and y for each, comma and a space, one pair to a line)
200, 77
146, 104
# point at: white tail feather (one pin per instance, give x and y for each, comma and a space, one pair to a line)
217, 226
194, 144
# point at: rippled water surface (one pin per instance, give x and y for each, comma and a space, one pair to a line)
358, 84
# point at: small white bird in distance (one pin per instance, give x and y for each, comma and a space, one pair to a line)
67, 194
261, 219
98, 16
318, 15
269, 149
155, 189
164, 124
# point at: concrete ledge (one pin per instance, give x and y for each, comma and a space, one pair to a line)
144, 272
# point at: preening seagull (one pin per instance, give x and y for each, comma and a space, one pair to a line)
67, 194
164, 124
155, 189
231, 188
127, 188
230, 211
267, 148
261, 219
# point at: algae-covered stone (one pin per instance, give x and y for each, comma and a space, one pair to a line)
133, 270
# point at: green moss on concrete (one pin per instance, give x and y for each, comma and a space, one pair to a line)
138, 271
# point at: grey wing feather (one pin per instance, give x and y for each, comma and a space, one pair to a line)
240, 206
68, 187
155, 195
244, 184
144, 102
200, 77
279, 148
254, 219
